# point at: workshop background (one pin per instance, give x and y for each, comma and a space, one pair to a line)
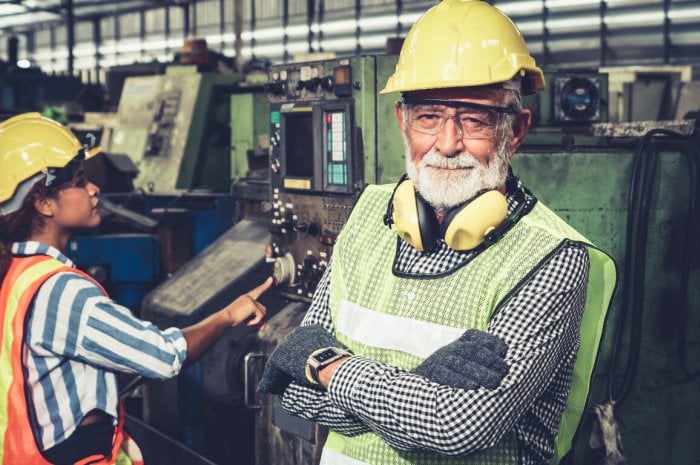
219, 167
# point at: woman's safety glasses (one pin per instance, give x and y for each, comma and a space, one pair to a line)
472, 120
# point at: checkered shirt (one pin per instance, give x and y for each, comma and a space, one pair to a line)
540, 323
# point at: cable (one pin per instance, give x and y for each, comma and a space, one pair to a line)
641, 183
635, 250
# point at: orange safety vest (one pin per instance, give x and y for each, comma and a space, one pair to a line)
17, 443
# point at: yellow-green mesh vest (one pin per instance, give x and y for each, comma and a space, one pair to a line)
362, 281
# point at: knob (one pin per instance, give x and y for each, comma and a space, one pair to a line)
326, 83
283, 270
276, 87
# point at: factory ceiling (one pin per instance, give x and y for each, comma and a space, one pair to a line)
23, 15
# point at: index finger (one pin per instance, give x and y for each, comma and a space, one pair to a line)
257, 292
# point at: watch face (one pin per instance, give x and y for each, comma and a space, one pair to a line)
325, 355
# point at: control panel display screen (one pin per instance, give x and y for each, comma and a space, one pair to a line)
312, 148
299, 144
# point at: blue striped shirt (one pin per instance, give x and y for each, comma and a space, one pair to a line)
76, 342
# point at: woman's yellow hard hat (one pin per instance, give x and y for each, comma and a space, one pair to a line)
29, 145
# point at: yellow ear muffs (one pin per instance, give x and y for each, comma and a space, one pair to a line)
413, 218
466, 227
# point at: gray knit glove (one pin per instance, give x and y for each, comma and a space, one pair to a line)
288, 360
474, 360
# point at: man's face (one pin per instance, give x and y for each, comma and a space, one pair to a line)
455, 151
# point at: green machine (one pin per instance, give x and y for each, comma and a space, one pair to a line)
633, 197
176, 129
648, 362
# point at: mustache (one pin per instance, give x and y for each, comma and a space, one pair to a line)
435, 160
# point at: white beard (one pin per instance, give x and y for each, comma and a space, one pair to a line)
461, 178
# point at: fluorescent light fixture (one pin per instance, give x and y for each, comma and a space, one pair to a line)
346, 25
635, 19
60, 54
372, 41
160, 44
409, 18
685, 38
23, 19
84, 63
574, 23
297, 30
678, 13
530, 26
269, 50
276, 32
108, 62
297, 47
378, 22
42, 54
108, 47
343, 43
573, 44
519, 7
9, 9
569, 4
84, 49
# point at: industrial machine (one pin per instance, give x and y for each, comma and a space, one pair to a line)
175, 127
172, 150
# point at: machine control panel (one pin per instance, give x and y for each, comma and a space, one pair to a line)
304, 229
315, 169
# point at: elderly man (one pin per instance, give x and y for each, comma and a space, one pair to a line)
470, 337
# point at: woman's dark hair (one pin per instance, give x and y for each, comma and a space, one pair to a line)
19, 226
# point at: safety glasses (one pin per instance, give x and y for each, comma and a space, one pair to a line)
57, 176
472, 120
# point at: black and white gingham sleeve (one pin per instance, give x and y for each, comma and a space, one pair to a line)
314, 404
540, 325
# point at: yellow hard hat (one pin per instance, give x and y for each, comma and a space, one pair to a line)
29, 145
464, 43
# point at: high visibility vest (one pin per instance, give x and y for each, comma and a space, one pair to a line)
17, 443
367, 299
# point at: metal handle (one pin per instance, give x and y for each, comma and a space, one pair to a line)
246, 379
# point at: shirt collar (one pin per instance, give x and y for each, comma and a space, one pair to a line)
29, 248
515, 193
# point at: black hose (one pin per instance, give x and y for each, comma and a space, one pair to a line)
643, 171
628, 268
639, 207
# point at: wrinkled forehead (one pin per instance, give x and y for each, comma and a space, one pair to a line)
483, 95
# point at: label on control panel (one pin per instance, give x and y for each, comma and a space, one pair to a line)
291, 183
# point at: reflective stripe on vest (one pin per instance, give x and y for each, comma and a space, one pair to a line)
425, 314
21, 283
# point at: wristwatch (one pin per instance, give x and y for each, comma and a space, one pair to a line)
322, 358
